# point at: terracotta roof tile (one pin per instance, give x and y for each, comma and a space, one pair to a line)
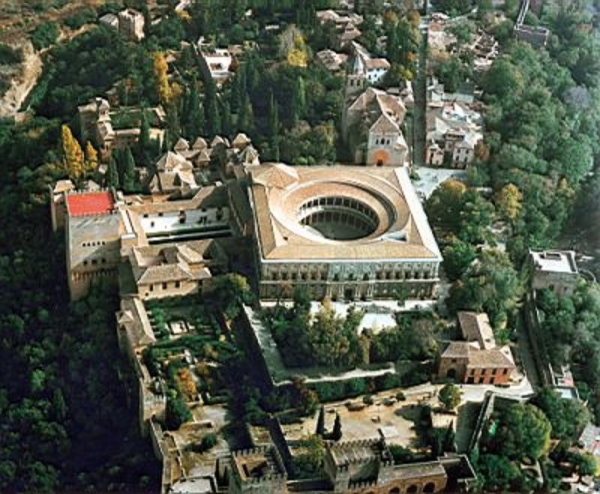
95, 203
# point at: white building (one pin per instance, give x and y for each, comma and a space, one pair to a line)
371, 68
216, 62
554, 270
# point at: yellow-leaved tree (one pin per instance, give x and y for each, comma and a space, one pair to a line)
72, 155
91, 158
161, 69
510, 200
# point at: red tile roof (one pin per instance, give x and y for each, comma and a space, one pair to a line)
93, 203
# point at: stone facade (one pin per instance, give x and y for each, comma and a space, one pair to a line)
372, 125
257, 471
349, 280
93, 240
131, 25
367, 467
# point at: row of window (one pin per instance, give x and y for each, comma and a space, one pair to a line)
181, 213
94, 262
93, 244
494, 372
314, 276
164, 285
383, 141
346, 202
78, 276
340, 218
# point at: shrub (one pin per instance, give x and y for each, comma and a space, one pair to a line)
45, 35
10, 55
209, 441
81, 18
177, 413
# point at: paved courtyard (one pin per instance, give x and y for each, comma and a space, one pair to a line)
430, 178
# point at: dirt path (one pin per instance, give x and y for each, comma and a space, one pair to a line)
22, 82
15, 26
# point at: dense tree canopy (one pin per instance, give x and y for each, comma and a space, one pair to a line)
567, 417
523, 431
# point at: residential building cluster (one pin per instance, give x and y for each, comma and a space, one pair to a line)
454, 127
345, 24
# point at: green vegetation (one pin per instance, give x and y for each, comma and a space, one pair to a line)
87, 67
330, 340
177, 412
520, 432
84, 16
309, 462
571, 331
567, 417
453, 7
10, 55
450, 397
45, 35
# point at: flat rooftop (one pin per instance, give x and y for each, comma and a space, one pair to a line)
91, 203
556, 261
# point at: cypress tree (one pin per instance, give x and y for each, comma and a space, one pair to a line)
246, 117
129, 172
211, 109
194, 115
143, 144
238, 89
321, 422
173, 123
273, 117
112, 174
226, 124
336, 435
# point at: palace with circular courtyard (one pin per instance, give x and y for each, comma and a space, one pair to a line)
344, 233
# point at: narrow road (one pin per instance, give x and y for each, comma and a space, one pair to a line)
420, 91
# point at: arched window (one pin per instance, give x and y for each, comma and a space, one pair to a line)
429, 487
395, 490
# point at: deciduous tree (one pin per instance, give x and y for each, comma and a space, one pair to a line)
450, 397
72, 155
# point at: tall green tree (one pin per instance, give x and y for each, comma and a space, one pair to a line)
144, 144
273, 117
211, 109
336, 434
321, 422
194, 118
128, 180
112, 174
245, 121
